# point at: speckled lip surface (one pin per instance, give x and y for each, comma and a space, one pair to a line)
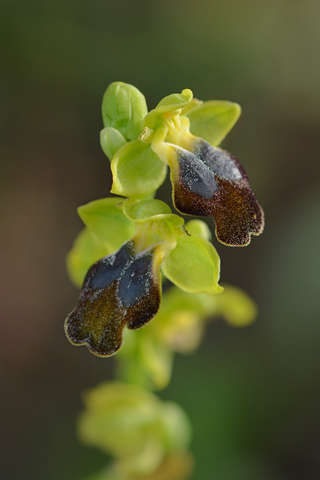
121, 289
209, 181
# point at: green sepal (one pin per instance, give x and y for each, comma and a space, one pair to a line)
86, 250
198, 227
212, 120
107, 221
238, 309
168, 104
193, 265
111, 140
136, 170
123, 108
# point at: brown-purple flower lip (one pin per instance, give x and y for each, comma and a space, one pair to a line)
122, 289
210, 181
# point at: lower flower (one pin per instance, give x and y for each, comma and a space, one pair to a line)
122, 289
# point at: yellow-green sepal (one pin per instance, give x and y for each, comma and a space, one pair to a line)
212, 120
86, 250
136, 170
111, 140
123, 108
107, 221
193, 265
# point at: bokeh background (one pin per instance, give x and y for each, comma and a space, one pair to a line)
253, 394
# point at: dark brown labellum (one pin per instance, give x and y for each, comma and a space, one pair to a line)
209, 181
122, 289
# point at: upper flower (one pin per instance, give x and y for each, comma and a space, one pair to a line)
184, 133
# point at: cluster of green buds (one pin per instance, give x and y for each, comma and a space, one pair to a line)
147, 437
133, 243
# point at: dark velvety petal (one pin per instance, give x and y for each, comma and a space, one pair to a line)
140, 289
111, 267
209, 181
196, 176
121, 289
97, 321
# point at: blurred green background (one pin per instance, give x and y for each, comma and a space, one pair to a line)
253, 395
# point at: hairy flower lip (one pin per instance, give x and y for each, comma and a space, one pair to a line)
208, 181
122, 289
233, 206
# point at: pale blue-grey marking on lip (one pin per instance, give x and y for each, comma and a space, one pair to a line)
196, 174
136, 280
111, 267
220, 162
